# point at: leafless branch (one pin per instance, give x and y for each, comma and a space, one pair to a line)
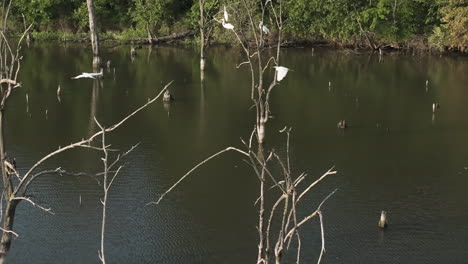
25, 182
329, 172
242, 63
10, 232
22, 198
307, 218
196, 167
322, 232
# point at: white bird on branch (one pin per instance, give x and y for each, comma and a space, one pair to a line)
281, 72
263, 28
226, 16
227, 25
91, 75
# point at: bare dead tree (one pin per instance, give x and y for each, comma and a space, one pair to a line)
109, 175
254, 50
202, 34
10, 64
274, 239
93, 31
16, 185
206, 26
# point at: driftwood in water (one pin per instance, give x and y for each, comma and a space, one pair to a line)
169, 38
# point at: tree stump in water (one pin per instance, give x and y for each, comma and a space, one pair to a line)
168, 97
342, 124
383, 220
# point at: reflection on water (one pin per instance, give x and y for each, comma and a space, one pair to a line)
395, 156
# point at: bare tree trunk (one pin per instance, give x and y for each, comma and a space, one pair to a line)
262, 254
8, 219
202, 35
94, 34
9, 213
6, 179
261, 131
150, 37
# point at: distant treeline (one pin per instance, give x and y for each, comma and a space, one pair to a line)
371, 23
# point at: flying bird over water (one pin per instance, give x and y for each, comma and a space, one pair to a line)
281, 72
91, 75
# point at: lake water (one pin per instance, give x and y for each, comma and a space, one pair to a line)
395, 156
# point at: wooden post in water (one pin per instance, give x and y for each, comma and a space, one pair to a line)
383, 220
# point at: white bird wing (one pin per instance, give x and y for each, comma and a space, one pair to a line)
265, 29
226, 16
84, 75
281, 72
94, 74
228, 26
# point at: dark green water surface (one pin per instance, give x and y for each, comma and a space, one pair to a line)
396, 155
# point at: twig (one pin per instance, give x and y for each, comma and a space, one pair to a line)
307, 218
10, 232
22, 198
242, 63
322, 231
194, 168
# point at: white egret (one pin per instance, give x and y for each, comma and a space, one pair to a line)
227, 25
226, 16
281, 72
263, 28
91, 75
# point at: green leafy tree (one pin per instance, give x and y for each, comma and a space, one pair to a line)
149, 14
455, 19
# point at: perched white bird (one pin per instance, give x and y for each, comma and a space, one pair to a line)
263, 28
91, 75
281, 72
226, 16
228, 25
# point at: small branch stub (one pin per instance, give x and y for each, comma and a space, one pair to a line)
435, 106
383, 220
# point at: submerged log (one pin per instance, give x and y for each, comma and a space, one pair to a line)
169, 38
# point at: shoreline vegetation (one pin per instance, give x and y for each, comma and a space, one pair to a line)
189, 38
421, 25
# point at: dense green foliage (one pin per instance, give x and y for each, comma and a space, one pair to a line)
444, 23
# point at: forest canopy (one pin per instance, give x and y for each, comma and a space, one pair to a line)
439, 23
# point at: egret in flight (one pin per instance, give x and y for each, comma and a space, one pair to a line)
263, 28
227, 25
91, 75
226, 16
281, 72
